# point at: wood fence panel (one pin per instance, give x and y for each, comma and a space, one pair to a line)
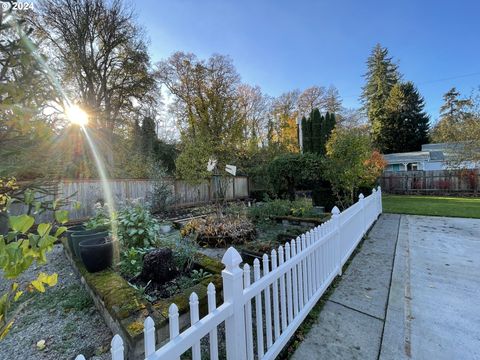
90, 192
439, 182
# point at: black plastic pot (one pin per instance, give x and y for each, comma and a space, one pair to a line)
70, 231
4, 225
96, 254
78, 237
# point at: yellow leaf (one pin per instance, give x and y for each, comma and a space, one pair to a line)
17, 295
42, 277
14, 286
52, 280
41, 344
5, 330
38, 285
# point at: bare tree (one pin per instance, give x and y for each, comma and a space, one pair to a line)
353, 119
101, 54
254, 106
311, 98
333, 101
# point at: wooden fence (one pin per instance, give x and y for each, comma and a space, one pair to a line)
89, 192
438, 182
261, 313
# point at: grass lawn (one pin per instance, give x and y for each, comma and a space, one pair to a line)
432, 205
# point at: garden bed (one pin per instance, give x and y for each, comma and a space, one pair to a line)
305, 221
124, 309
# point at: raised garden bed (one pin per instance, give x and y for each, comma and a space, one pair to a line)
305, 221
271, 235
124, 309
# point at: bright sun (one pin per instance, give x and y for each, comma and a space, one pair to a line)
76, 115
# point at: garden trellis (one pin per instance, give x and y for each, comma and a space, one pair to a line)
261, 313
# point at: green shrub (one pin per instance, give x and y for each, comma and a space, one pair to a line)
137, 227
278, 207
291, 172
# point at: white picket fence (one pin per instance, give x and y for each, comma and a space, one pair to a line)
262, 314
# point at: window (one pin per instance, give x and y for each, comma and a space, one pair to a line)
412, 167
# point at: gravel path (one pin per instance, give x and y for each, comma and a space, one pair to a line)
64, 316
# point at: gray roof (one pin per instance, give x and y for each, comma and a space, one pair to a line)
407, 157
437, 155
453, 146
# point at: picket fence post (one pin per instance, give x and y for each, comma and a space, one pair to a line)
233, 293
149, 336
361, 200
379, 201
336, 227
117, 348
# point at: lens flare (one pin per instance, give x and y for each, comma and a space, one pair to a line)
76, 115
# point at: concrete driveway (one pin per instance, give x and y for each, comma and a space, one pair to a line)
411, 292
434, 304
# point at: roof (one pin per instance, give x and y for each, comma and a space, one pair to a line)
407, 157
437, 155
453, 146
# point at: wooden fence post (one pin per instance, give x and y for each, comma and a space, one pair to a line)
233, 293
336, 224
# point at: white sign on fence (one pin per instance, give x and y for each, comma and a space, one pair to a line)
286, 286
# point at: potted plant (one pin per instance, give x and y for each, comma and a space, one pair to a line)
79, 236
96, 253
70, 231
3, 223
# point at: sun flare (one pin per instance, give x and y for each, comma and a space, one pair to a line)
76, 115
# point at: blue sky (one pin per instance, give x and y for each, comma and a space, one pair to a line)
283, 45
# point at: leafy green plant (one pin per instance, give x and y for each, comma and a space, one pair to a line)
200, 275
131, 261
100, 219
137, 227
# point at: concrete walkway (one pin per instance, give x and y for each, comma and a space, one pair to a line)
412, 291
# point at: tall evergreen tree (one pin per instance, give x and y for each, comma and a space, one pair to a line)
327, 128
405, 124
149, 137
316, 131
306, 134
382, 74
316, 141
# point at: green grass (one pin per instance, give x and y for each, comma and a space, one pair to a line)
432, 205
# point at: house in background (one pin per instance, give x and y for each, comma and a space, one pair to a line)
431, 157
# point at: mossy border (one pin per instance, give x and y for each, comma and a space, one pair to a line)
124, 310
